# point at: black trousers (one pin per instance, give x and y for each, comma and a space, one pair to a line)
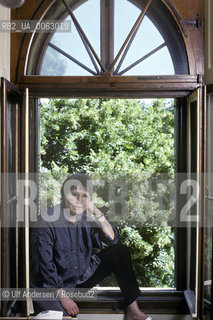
114, 259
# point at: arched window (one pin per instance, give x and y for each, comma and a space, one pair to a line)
166, 30
122, 37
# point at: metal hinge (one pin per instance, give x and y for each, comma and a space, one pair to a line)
207, 193
194, 22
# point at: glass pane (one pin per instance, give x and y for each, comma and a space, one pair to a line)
126, 15
54, 64
159, 63
141, 44
146, 40
90, 26
57, 64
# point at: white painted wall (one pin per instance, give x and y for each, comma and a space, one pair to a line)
209, 41
4, 46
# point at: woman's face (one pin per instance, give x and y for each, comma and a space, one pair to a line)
77, 200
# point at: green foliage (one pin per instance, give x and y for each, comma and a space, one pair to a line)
51, 182
119, 135
53, 64
127, 141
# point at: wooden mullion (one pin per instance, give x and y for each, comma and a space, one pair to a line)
107, 94
202, 209
18, 122
181, 168
5, 88
128, 83
135, 27
107, 32
25, 170
142, 59
170, 79
71, 58
120, 87
96, 86
4, 246
103, 32
80, 30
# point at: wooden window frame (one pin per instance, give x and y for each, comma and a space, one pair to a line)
108, 86
164, 301
177, 86
174, 41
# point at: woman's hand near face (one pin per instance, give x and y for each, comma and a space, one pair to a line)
90, 206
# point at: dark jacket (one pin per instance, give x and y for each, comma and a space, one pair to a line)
61, 252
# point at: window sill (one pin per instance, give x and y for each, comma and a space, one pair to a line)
152, 300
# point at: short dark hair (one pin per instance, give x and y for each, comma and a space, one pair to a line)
81, 178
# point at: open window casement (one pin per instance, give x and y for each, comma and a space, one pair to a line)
14, 162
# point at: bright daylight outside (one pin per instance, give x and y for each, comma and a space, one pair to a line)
127, 148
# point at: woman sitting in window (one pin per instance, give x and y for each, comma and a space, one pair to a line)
61, 246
